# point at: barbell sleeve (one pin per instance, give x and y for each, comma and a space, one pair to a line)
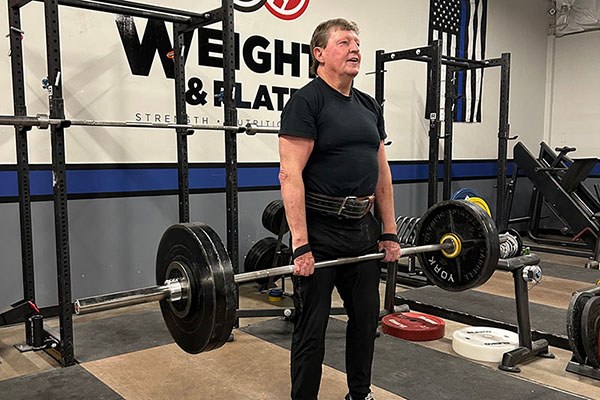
172, 290
253, 129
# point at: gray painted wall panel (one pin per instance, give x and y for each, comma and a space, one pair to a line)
11, 281
114, 241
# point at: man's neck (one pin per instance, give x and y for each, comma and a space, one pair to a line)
342, 84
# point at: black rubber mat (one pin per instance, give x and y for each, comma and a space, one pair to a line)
473, 307
111, 336
416, 372
578, 274
70, 383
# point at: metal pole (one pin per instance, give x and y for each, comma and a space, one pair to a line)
448, 131
151, 7
230, 118
59, 176
22, 152
434, 68
116, 9
183, 168
379, 77
43, 122
503, 137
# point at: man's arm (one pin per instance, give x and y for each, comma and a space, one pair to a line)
384, 200
294, 153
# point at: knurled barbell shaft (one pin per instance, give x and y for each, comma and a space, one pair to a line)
166, 292
160, 125
288, 269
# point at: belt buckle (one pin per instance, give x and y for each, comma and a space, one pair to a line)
370, 200
343, 205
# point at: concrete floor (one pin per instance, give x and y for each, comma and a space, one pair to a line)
250, 368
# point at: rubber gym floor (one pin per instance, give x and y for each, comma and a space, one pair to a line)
128, 353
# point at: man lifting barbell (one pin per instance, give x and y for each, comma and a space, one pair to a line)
333, 170
197, 289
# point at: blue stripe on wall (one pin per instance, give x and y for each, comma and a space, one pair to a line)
255, 177
83, 181
8, 183
121, 180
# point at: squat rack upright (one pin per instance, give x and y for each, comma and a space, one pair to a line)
432, 55
183, 21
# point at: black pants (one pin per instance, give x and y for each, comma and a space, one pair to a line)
358, 286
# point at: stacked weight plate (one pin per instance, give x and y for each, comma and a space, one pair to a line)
406, 228
583, 327
262, 254
273, 216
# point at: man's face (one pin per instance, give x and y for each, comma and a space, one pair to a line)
341, 56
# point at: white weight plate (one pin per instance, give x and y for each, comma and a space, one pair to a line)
484, 343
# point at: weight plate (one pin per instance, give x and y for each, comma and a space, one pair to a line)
481, 203
401, 223
513, 247
273, 216
483, 343
574, 314
590, 330
405, 229
409, 234
463, 194
413, 326
212, 292
261, 254
479, 241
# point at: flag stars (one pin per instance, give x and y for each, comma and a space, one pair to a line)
446, 15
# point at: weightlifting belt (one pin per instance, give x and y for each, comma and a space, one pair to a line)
350, 207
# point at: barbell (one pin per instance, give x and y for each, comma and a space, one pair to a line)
42, 121
457, 244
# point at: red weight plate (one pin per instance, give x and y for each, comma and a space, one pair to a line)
413, 326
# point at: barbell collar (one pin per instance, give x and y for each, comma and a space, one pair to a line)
44, 121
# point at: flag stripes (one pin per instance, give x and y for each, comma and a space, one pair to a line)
462, 26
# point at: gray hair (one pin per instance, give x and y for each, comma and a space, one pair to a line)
320, 36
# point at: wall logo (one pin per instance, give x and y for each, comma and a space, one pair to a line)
287, 9
283, 9
248, 5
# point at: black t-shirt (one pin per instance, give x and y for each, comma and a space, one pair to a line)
347, 131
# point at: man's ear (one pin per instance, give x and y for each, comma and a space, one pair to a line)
318, 54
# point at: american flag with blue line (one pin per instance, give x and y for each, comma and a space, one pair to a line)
462, 26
